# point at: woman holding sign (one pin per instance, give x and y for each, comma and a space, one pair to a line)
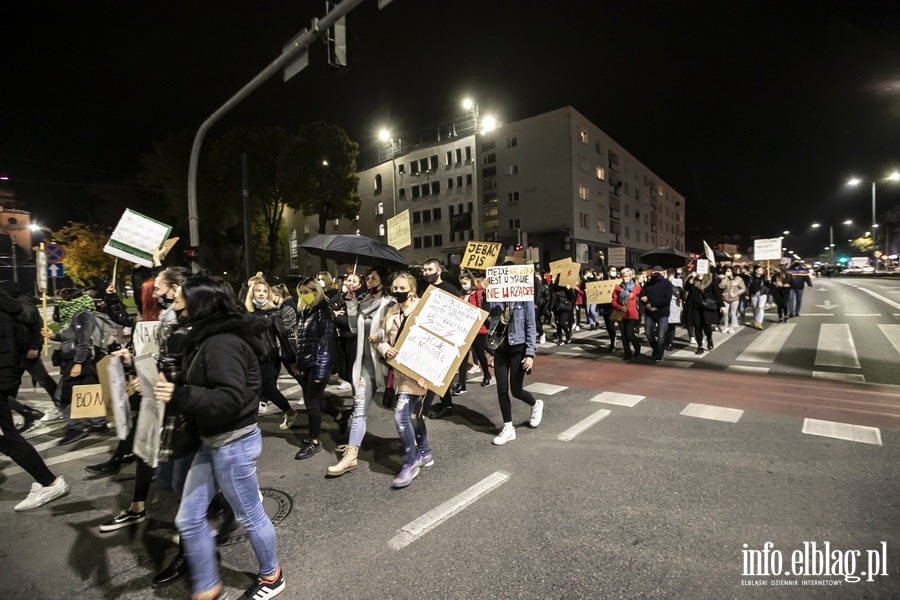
410, 392
624, 299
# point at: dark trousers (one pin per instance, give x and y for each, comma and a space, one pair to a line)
313, 394
538, 322
610, 325
35, 367
479, 345
780, 296
702, 321
564, 325
510, 377
17, 447
269, 373
629, 337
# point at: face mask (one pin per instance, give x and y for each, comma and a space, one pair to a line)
401, 297
466, 287
344, 289
431, 278
307, 299
259, 303
352, 287
613, 273
165, 302
321, 282
374, 290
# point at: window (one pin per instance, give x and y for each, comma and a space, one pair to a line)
426, 189
615, 227
582, 163
627, 190
468, 153
295, 250
584, 220
646, 237
435, 187
512, 169
436, 214
627, 232
489, 172
378, 183
615, 204
379, 208
450, 209
488, 145
449, 158
459, 155
598, 146
415, 191
417, 242
381, 229
489, 158
426, 241
469, 179
414, 168
306, 230
459, 180
512, 141
438, 239
449, 182
601, 225
601, 173
490, 211
401, 192
423, 165
416, 217
583, 136
583, 192
426, 216
512, 196
515, 224
434, 162
401, 168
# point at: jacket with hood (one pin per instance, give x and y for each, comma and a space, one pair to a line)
30, 318
316, 339
11, 342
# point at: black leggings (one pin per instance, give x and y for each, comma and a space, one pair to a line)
510, 375
268, 370
479, 345
17, 448
701, 327
564, 324
313, 394
610, 325
626, 327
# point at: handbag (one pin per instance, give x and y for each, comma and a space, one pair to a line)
389, 399
617, 315
710, 304
496, 333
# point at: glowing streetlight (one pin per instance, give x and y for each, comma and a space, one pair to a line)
489, 123
785, 232
468, 104
384, 135
815, 225
895, 176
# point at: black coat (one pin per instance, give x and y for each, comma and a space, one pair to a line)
696, 295
316, 340
12, 342
275, 337
659, 295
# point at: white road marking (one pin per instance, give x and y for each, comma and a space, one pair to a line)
892, 333
835, 347
817, 315
863, 315
843, 431
839, 376
64, 458
767, 344
50, 427
713, 413
677, 363
719, 338
416, 529
629, 400
745, 369
570, 433
547, 389
879, 296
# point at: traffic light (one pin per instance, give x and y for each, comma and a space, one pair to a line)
518, 247
843, 260
191, 254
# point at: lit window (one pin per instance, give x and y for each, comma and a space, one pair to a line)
381, 229
583, 192
583, 136
512, 169
377, 183
601, 173
601, 225
379, 208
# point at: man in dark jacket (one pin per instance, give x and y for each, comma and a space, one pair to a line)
47, 486
799, 280
657, 299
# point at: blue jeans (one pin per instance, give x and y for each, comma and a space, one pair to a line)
361, 406
657, 334
411, 427
759, 307
231, 469
794, 301
591, 314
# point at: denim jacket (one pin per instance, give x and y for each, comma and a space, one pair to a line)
521, 328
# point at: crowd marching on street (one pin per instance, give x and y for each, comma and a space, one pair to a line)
221, 354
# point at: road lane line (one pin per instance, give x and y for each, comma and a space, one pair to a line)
569, 434
879, 296
843, 431
292, 390
746, 369
767, 344
839, 376
835, 347
713, 413
892, 333
719, 339
50, 427
863, 315
416, 529
547, 389
629, 400
806, 314
64, 458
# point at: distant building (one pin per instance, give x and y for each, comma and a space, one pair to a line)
554, 183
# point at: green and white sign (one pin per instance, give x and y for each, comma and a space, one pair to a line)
136, 237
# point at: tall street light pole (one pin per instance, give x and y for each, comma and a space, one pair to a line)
895, 176
385, 136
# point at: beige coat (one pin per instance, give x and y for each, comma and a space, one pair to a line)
387, 337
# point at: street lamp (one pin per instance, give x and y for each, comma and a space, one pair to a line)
470, 105
893, 177
831, 235
385, 136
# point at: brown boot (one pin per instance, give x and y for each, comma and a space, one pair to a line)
347, 462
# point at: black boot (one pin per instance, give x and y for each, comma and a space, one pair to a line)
177, 569
30, 415
110, 467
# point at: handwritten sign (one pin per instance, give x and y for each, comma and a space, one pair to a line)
147, 337
600, 292
148, 428
567, 270
118, 395
510, 283
444, 327
87, 401
702, 266
480, 255
136, 237
399, 234
768, 249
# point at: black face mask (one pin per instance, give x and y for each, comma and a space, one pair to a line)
656, 276
401, 297
165, 302
431, 278
374, 290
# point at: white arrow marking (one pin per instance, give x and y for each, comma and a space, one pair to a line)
828, 305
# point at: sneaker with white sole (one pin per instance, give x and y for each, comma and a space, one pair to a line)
543, 339
507, 434
537, 413
289, 420
51, 415
41, 494
425, 460
264, 588
406, 475
126, 518
263, 408
344, 387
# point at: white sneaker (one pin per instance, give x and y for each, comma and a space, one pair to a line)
41, 495
474, 370
51, 415
289, 420
543, 339
263, 408
537, 413
507, 434
577, 328
729, 330
343, 386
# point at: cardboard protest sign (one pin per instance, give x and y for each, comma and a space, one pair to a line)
616, 256
103, 377
152, 415
600, 292
702, 266
117, 395
480, 255
399, 234
510, 283
438, 334
136, 237
768, 249
146, 336
567, 270
87, 401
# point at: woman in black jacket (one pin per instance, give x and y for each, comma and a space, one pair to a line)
562, 303
316, 341
704, 300
221, 388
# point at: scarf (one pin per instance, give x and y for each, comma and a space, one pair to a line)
626, 289
68, 309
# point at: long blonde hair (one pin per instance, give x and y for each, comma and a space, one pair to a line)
410, 282
254, 281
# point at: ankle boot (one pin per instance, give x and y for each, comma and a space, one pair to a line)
30, 415
347, 462
177, 569
110, 467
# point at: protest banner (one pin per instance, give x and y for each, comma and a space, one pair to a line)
702, 266
510, 283
567, 270
87, 401
147, 337
399, 234
118, 394
600, 292
103, 377
148, 428
136, 237
480, 255
768, 249
443, 328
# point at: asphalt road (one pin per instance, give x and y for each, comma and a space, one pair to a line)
643, 481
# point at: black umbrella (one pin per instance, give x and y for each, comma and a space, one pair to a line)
665, 256
354, 249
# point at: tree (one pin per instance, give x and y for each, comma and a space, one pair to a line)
85, 263
865, 244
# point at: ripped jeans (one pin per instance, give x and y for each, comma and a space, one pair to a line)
411, 427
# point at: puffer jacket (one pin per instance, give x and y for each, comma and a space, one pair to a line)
11, 340
316, 339
275, 337
732, 289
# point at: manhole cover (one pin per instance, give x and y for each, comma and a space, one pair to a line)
277, 505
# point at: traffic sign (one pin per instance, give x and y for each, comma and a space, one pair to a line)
55, 271
55, 253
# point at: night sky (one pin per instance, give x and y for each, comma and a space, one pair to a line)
757, 112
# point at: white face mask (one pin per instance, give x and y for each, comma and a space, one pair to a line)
466, 287
321, 282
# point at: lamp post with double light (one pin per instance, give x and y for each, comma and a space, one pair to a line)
831, 235
855, 181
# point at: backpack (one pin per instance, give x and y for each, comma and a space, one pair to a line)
104, 334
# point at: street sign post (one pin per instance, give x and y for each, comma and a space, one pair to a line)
55, 253
56, 271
